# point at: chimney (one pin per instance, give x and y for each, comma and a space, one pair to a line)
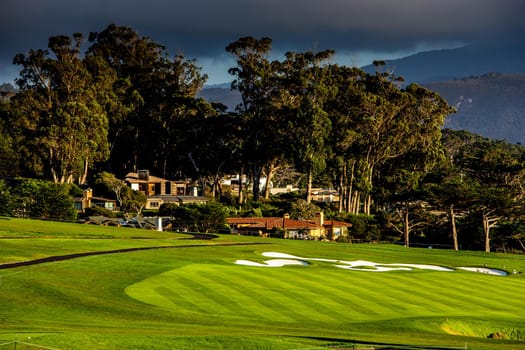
88, 193
86, 198
319, 218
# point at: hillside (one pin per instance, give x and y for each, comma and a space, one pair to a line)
491, 105
221, 93
473, 60
6, 87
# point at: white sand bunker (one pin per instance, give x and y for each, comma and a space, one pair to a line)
485, 270
272, 263
362, 265
283, 259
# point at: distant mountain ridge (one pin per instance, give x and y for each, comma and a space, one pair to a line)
492, 105
7, 87
472, 60
489, 104
221, 93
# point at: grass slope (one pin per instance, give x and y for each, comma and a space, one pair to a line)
194, 296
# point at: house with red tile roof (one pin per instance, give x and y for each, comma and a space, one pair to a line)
289, 228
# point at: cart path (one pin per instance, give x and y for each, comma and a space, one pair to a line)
116, 251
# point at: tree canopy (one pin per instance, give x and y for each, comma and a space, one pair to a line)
119, 102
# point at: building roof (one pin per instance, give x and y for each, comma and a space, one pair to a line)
102, 199
180, 199
94, 199
134, 178
271, 222
334, 223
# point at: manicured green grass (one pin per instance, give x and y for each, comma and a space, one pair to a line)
194, 296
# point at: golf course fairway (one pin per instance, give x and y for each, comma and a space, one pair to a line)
235, 292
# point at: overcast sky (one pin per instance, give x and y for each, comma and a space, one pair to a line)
359, 30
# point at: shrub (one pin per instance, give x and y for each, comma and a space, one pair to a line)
199, 217
364, 227
5, 199
168, 209
99, 211
302, 210
42, 200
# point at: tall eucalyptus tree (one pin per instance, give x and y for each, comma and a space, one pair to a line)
58, 110
305, 87
254, 79
152, 93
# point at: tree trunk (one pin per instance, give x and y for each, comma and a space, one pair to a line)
367, 204
240, 199
309, 186
453, 228
406, 227
522, 245
256, 182
197, 170
135, 152
355, 203
269, 175
351, 206
368, 199
55, 176
489, 223
217, 181
486, 232
342, 191
83, 177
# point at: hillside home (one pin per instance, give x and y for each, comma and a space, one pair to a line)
289, 228
161, 191
89, 201
151, 185
325, 195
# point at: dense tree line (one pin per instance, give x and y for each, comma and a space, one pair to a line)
122, 104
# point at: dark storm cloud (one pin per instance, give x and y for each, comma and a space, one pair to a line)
202, 28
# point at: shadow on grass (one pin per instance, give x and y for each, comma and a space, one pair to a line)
116, 251
360, 344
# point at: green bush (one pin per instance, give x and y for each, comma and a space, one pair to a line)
364, 227
168, 209
42, 200
99, 211
5, 199
210, 217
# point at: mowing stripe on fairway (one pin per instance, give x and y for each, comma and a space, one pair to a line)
313, 298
